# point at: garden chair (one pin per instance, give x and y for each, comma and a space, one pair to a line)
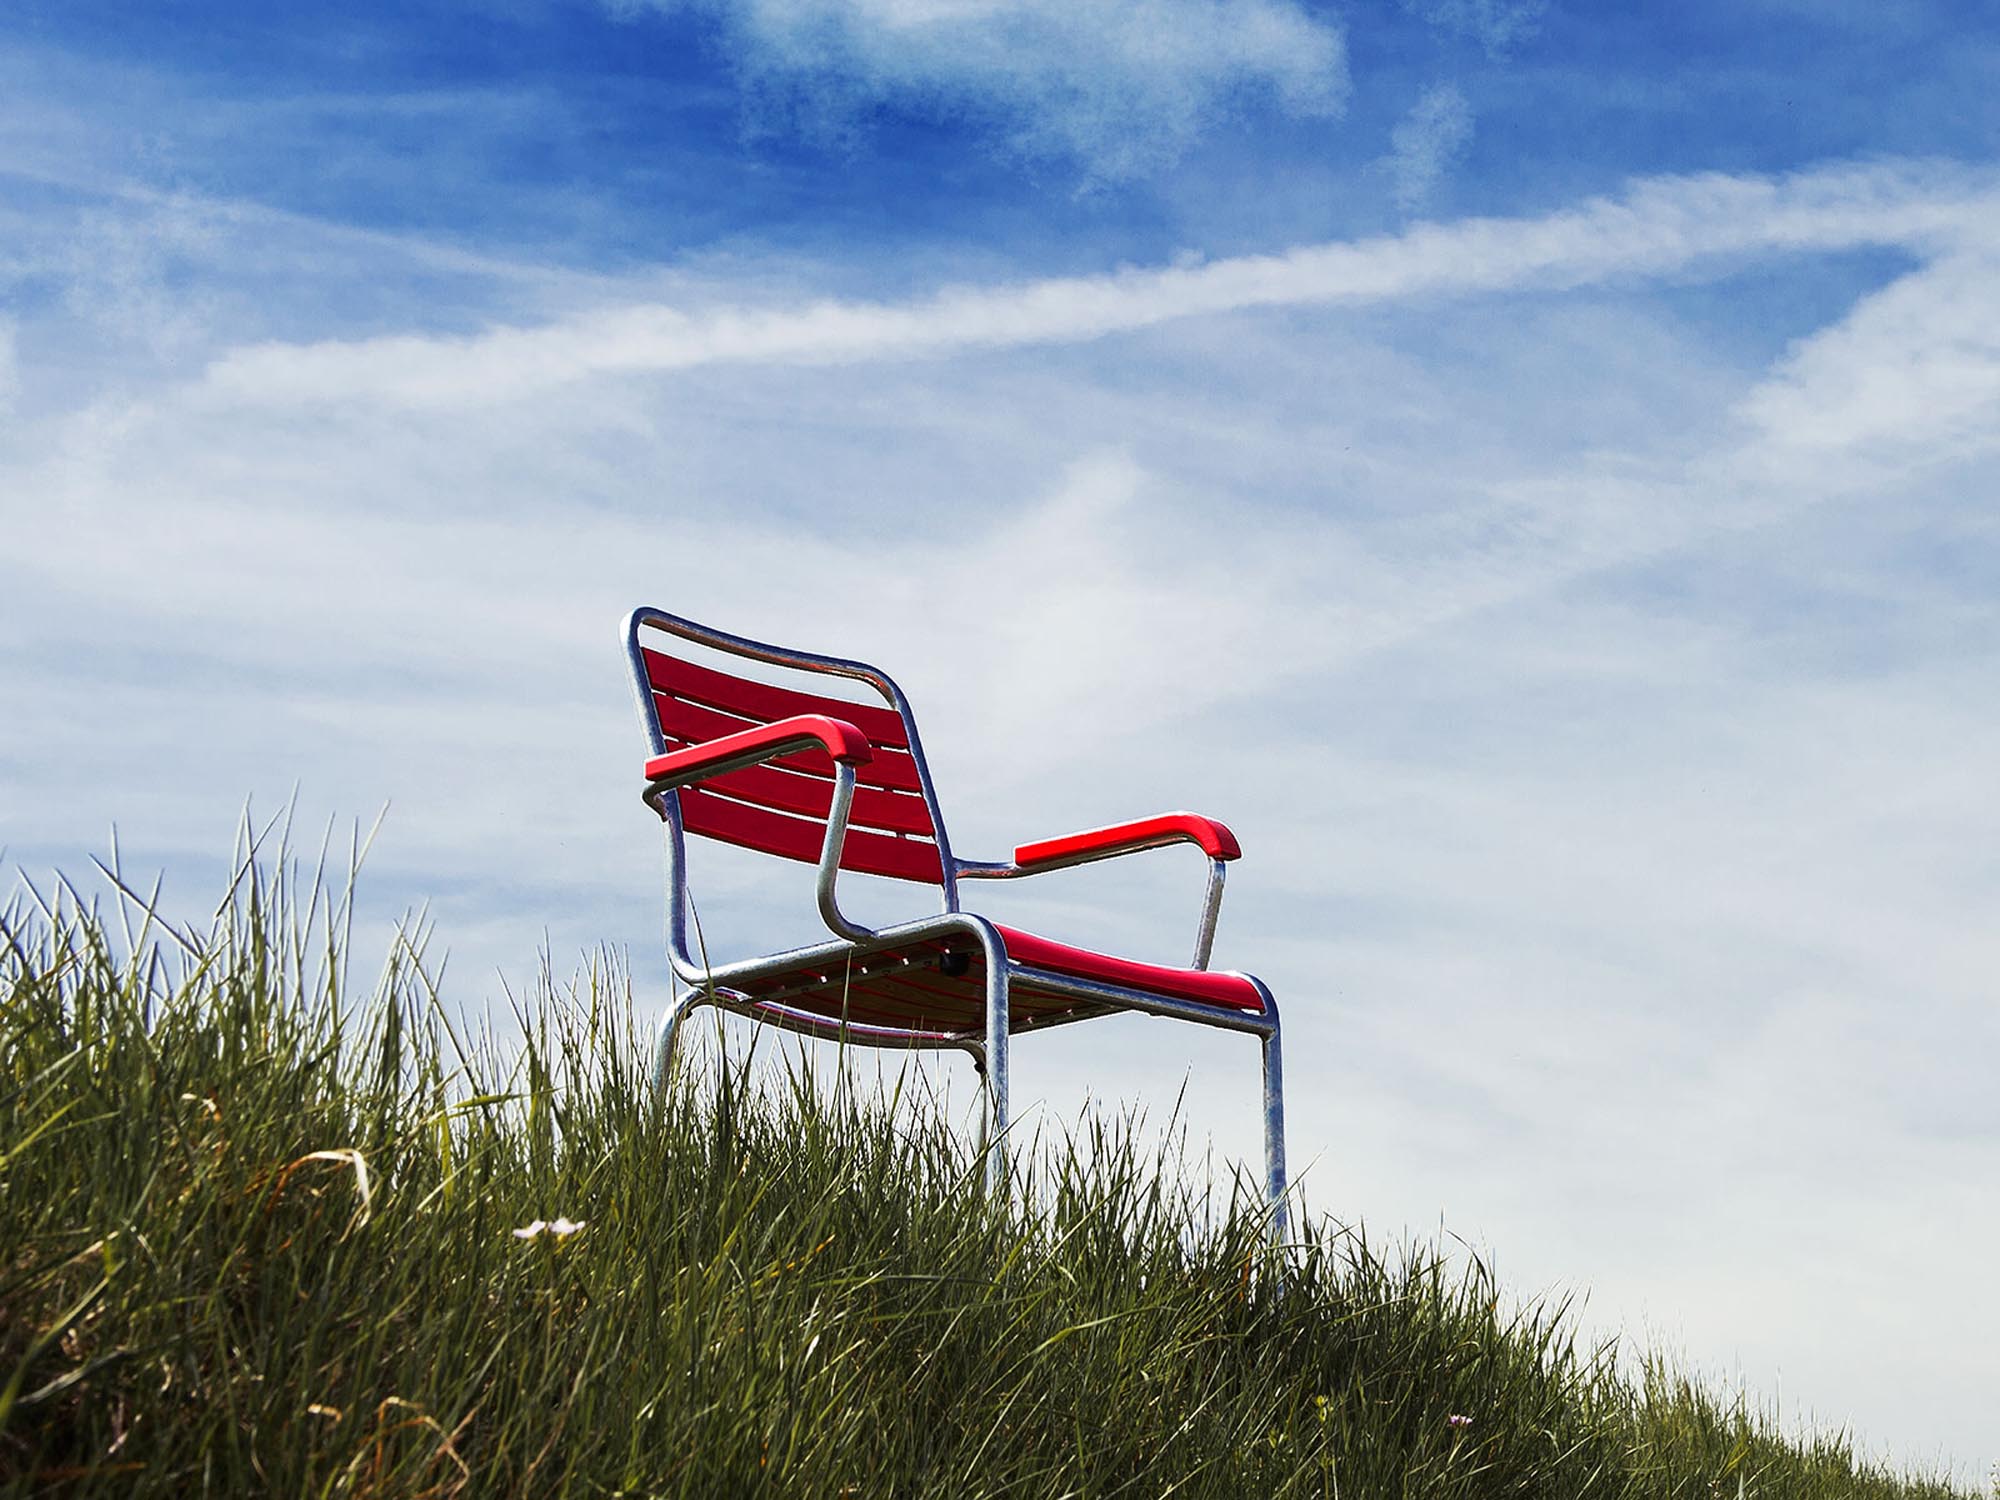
844, 785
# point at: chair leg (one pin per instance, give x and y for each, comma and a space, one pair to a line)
668, 1037
1274, 1134
996, 1078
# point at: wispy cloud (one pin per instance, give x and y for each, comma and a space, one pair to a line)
1496, 25
122, 274
1426, 142
1659, 225
1910, 372
1123, 89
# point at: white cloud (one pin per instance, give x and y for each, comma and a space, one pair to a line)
1495, 25
128, 276
1915, 369
1426, 142
1659, 225
1122, 88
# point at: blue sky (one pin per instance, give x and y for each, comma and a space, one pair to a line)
1529, 468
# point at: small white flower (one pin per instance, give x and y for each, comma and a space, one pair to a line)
561, 1228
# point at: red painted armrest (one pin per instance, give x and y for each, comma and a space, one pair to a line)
1216, 841
732, 752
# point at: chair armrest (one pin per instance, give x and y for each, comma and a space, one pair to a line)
1216, 841
732, 752
847, 745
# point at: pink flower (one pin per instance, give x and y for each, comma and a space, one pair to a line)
1455, 1420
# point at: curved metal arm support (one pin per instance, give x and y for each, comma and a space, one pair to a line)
735, 759
1211, 910
829, 857
1211, 905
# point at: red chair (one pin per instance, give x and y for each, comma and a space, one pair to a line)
844, 786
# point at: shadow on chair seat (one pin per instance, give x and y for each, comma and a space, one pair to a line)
939, 986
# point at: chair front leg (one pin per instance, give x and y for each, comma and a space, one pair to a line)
1274, 1129
996, 1076
668, 1037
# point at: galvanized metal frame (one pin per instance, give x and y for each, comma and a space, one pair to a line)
853, 945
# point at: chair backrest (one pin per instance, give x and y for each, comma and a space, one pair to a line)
780, 806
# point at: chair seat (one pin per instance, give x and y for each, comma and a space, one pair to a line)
938, 985
1230, 991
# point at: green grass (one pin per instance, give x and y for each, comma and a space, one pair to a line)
257, 1237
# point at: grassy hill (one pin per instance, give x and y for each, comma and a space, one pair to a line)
261, 1236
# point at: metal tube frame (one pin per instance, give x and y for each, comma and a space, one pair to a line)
705, 983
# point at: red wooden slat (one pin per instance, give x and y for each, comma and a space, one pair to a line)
1201, 985
761, 700
967, 997
891, 812
907, 1001
879, 1009
832, 974
695, 724
843, 742
940, 996
798, 838
878, 1000
916, 999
